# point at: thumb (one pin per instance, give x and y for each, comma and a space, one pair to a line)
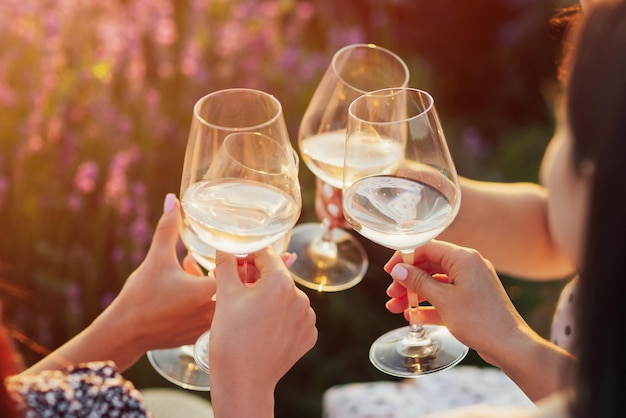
166, 234
415, 279
227, 274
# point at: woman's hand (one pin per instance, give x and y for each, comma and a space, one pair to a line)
328, 205
166, 304
465, 290
161, 305
259, 331
473, 304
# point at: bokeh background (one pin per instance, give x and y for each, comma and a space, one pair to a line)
95, 106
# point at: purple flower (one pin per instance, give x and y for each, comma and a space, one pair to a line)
141, 232
474, 143
86, 176
116, 187
117, 255
305, 10
165, 33
74, 203
72, 294
107, 298
4, 187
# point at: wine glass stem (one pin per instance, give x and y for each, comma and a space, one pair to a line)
243, 259
325, 247
417, 334
327, 236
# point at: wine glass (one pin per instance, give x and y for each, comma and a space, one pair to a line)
240, 193
178, 364
400, 190
333, 259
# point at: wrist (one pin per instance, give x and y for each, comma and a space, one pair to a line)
534, 364
231, 399
116, 337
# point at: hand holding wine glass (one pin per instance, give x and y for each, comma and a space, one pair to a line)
282, 325
400, 190
239, 193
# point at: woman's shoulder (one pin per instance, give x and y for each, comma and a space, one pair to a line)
96, 386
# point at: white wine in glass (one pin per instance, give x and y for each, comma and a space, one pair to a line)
247, 200
333, 259
239, 194
400, 190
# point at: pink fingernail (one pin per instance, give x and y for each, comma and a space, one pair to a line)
291, 259
399, 272
169, 203
328, 191
333, 210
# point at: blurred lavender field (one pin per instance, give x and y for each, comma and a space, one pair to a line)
95, 105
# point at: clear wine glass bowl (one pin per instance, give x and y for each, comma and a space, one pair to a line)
333, 259
400, 190
239, 193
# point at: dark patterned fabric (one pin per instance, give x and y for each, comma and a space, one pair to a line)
88, 390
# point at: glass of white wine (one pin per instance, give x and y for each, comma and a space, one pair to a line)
239, 193
400, 190
332, 259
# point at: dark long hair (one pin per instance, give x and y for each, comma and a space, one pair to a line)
596, 107
562, 24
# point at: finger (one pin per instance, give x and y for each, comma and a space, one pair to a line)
251, 271
440, 256
442, 278
395, 259
328, 206
166, 235
289, 258
414, 279
266, 261
227, 274
397, 305
430, 315
420, 262
323, 215
396, 290
191, 266
328, 193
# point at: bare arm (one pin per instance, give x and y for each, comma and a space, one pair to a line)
160, 306
536, 365
260, 331
507, 223
475, 307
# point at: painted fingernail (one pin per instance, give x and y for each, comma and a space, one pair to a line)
388, 290
169, 203
399, 272
291, 259
333, 210
328, 191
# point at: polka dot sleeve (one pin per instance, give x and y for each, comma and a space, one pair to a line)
563, 332
86, 390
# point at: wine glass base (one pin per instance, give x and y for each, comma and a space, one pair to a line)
178, 366
326, 272
201, 352
386, 353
